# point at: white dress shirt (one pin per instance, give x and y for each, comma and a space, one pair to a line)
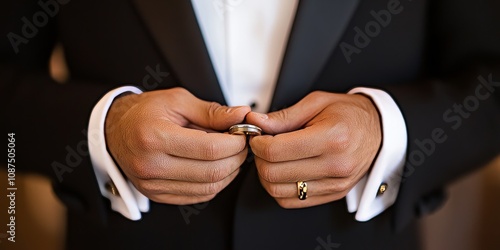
246, 41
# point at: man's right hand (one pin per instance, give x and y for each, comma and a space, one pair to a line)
166, 143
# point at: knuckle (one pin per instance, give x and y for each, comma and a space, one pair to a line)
211, 151
283, 114
143, 138
269, 152
268, 174
339, 139
274, 191
282, 117
212, 188
216, 174
212, 109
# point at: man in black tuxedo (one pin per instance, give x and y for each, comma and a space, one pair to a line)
439, 61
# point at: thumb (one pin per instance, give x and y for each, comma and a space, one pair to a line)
289, 119
212, 115
204, 114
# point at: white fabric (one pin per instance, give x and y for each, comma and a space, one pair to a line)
130, 202
389, 164
246, 41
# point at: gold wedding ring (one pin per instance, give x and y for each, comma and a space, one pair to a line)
245, 129
302, 190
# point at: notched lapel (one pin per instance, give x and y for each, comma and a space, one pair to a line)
174, 27
317, 29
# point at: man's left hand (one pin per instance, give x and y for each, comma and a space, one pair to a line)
327, 140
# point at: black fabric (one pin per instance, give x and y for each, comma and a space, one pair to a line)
429, 57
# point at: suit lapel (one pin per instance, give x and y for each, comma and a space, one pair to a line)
317, 29
175, 29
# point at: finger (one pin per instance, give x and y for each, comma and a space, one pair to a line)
292, 203
181, 169
291, 118
200, 145
210, 115
197, 127
214, 116
179, 199
307, 169
308, 142
182, 188
321, 187
287, 147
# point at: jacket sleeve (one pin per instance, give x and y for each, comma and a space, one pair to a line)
452, 117
49, 119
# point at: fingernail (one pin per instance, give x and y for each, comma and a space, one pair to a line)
262, 116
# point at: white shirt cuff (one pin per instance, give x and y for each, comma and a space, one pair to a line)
388, 166
129, 201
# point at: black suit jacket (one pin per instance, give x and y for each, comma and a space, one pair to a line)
428, 56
